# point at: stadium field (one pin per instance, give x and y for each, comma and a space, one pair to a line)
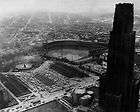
68, 71
15, 85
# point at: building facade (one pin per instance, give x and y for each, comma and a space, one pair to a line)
117, 88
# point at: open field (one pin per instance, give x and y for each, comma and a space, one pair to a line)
68, 71
15, 85
70, 54
6, 99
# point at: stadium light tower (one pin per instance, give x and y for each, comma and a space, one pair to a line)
118, 90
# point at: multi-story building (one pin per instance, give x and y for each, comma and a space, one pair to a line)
118, 90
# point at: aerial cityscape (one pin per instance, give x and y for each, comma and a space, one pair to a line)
70, 62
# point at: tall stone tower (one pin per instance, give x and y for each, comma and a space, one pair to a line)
117, 87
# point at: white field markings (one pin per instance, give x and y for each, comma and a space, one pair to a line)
65, 103
10, 92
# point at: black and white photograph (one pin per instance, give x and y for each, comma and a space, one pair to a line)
69, 55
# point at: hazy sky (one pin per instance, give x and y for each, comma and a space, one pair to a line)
74, 6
